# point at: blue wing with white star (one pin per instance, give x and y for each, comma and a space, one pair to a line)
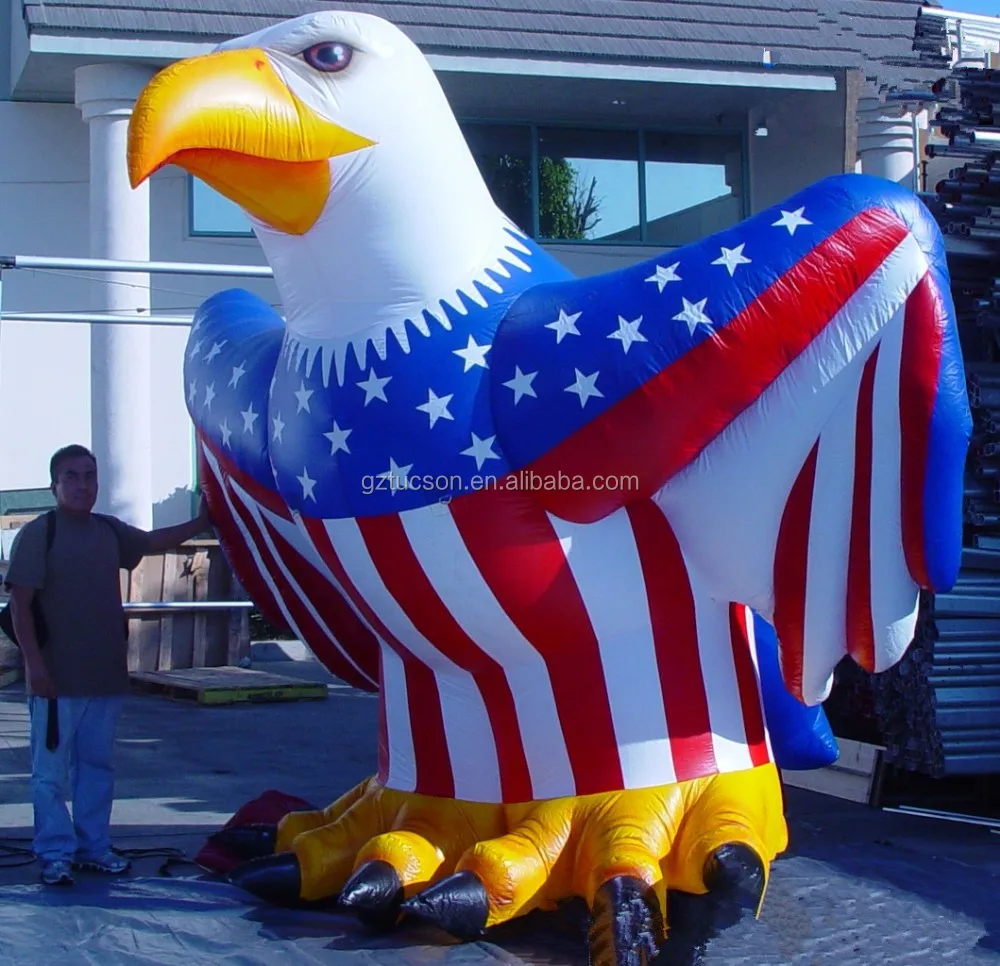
233, 350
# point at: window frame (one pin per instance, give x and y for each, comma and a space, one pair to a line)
533, 127
200, 233
640, 131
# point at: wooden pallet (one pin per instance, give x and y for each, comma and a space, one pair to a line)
225, 685
853, 777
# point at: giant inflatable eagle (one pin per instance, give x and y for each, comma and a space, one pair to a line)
545, 516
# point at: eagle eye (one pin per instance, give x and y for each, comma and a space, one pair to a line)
328, 56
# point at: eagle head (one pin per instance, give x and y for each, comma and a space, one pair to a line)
272, 120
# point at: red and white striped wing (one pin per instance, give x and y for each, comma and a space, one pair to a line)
521, 656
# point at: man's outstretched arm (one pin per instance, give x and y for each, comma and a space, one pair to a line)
167, 538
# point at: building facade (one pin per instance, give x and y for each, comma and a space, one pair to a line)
609, 130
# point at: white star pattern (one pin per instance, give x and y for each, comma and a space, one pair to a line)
307, 485
791, 220
215, 350
209, 395
664, 276
302, 396
338, 439
226, 433
238, 373
196, 348
731, 258
694, 315
521, 384
279, 429
192, 392
564, 325
628, 332
473, 355
436, 407
481, 450
585, 386
249, 418
398, 476
374, 387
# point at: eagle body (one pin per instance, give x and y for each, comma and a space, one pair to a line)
554, 521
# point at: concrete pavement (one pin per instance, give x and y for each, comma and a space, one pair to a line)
857, 886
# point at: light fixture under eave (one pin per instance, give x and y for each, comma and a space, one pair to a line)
618, 102
760, 131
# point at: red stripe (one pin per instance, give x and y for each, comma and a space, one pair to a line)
692, 400
791, 558
860, 631
519, 556
675, 634
430, 744
338, 615
235, 547
305, 625
926, 319
749, 685
400, 570
270, 499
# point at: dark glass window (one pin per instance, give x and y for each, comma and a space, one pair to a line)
694, 186
503, 154
588, 185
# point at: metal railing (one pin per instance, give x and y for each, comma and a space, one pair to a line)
135, 609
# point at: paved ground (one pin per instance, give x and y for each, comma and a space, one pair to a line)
856, 887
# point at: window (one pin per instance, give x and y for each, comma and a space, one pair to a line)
612, 186
504, 157
214, 214
693, 186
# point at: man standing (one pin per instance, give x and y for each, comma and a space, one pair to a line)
84, 660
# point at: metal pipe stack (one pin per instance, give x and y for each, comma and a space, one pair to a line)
938, 710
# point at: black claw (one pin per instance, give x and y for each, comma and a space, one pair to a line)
374, 894
274, 878
626, 926
734, 877
458, 904
247, 841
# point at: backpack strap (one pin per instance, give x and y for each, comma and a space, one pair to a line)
50, 529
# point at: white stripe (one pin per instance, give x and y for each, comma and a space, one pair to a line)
605, 564
468, 733
722, 687
825, 626
445, 559
298, 537
251, 542
752, 640
894, 594
255, 509
399, 738
726, 506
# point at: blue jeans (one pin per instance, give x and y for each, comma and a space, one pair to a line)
84, 763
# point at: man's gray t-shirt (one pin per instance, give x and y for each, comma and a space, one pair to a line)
78, 584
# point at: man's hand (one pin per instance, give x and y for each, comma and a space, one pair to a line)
39, 680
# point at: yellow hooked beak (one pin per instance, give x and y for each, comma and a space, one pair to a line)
229, 119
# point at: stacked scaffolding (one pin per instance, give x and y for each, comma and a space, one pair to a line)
938, 710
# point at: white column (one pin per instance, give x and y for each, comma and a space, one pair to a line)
120, 358
886, 135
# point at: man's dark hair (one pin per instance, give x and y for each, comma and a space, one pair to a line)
70, 452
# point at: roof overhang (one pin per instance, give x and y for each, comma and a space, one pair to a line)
42, 65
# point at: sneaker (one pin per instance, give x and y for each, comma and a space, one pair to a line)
109, 863
55, 872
